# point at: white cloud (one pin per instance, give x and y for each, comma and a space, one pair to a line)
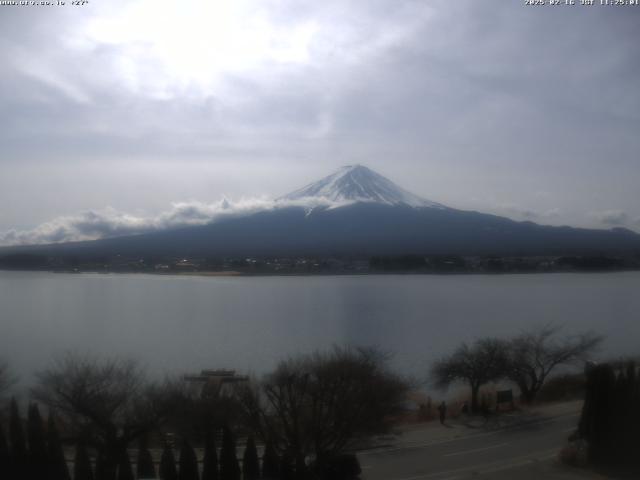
109, 222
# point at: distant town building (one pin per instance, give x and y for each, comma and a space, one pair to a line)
215, 382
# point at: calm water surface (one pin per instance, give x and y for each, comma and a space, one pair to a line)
178, 324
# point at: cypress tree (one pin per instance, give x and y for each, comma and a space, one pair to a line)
635, 418
108, 462
4, 455
57, 463
286, 467
145, 467
37, 443
18, 458
270, 463
625, 424
608, 428
188, 463
619, 419
210, 462
250, 462
125, 472
628, 417
82, 464
229, 467
168, 465
301, 468
101, 467
596, 421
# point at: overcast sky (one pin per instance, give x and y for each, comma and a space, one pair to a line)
139, 111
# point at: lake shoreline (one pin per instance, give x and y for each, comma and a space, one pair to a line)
236, 273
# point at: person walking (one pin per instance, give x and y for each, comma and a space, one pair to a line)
442, 408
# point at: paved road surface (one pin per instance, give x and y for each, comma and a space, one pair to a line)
519, 452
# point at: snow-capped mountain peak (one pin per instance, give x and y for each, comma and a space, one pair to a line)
357, 183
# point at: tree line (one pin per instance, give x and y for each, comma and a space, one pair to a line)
39, 454
307, 414
527, 360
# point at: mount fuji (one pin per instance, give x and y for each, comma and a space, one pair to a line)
357, 183
359, 213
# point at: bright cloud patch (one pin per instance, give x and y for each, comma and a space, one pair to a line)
106, 223
166, 45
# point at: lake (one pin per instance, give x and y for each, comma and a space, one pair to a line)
186, 323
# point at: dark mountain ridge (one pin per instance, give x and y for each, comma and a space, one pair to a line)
360, 229
361, 214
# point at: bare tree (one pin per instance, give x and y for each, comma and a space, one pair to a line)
322, 403
108, 403
477, 364
199, 411
535, 354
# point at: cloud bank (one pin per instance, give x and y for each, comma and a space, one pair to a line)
109, 222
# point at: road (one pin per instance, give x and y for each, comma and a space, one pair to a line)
527, 451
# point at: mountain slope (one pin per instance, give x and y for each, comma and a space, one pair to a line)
360, 229
364, 214
357, 183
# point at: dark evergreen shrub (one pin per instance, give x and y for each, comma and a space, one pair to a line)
168, 469
188, 463
125, 471
57, 463
82, 464
210, 462
101, 470
229, 467
250, 462
37, 443
338, 467
270, 463
610, 419
18, 456
4, 455
145, 467
287, 471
